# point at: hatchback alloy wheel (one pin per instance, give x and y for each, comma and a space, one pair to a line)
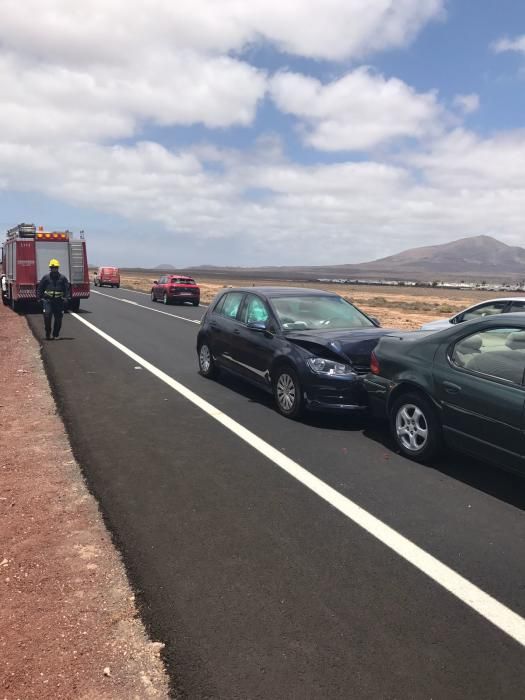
207, 365
287, 392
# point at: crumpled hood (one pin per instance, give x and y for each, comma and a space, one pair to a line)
349, 345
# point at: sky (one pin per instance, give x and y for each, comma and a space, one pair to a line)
263, 132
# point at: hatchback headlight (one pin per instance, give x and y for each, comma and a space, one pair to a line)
329, 367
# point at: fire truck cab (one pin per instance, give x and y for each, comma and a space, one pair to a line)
26, 253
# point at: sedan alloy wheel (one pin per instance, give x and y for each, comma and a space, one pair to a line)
415, 427
411, 427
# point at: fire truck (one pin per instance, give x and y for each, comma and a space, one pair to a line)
26, 253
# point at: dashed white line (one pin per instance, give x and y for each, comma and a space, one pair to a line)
484, 604
136, 291
148, 308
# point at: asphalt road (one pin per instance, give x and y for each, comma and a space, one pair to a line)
259, 587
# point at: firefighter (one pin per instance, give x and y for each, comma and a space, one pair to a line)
54, 292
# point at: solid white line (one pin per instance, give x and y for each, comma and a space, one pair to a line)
488, 607
148, 308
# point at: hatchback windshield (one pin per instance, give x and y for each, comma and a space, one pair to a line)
301, 313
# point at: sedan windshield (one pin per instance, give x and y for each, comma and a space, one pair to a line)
306, 313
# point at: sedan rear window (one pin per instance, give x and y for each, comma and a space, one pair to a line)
498, 353
300, 313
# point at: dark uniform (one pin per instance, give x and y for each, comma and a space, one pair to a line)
53, 290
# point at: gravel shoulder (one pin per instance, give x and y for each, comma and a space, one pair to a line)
69, 624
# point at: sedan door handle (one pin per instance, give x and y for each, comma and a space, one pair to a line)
451, 388
236, 332
214, 326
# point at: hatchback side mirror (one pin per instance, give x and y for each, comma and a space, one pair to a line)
155, 282
376, 321
257, 326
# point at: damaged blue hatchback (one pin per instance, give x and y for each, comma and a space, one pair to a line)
308, 347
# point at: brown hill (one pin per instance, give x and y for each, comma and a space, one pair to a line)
474, 256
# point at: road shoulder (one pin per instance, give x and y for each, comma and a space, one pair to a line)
70, 624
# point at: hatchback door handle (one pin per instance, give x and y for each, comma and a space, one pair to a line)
236, 332
451, 388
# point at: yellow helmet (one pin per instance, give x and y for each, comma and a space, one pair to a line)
54, 263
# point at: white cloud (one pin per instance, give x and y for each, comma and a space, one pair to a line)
79, 105
467, 104
106, 30
263, 208
505, 44
79, 76
359, 111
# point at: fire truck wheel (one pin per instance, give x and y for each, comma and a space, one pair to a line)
15, 304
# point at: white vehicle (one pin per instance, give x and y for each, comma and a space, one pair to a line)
503, 305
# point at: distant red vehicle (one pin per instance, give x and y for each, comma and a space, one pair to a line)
176, 289
109, 276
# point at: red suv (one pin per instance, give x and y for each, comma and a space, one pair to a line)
174, 289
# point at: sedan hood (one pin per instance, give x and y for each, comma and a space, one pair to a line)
437, 325
352, 346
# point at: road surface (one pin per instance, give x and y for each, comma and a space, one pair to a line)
280, 559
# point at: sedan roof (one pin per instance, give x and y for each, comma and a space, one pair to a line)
272, 292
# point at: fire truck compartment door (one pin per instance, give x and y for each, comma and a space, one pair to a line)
45, 251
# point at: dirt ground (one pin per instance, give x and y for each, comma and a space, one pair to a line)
395, 307
69, 625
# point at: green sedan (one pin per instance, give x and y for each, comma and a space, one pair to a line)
463, 387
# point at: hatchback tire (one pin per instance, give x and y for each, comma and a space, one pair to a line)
165, 300
207, 366
415, 427
288, 393
153, 296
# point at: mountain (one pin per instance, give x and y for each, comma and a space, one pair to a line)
165, 267
475, 258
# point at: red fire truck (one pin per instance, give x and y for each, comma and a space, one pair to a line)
26, 253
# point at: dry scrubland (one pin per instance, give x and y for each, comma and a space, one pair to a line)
396, 307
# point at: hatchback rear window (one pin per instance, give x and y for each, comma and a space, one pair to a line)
182, 280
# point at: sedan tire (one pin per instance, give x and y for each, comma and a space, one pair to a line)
415, 427
207, 366
288, 393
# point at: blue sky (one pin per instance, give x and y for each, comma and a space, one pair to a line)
264, 134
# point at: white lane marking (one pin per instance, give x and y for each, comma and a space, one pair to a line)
158, 311
488, 607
